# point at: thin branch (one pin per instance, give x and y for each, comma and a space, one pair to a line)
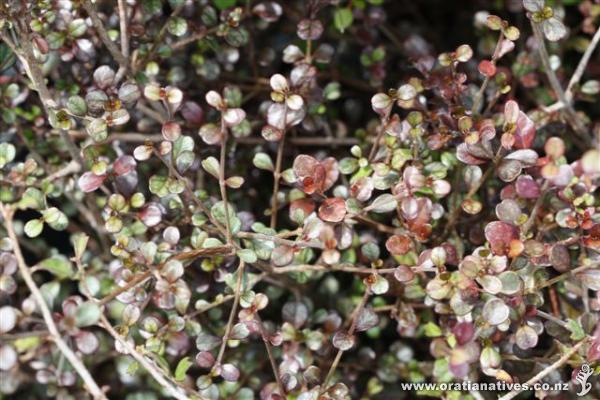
582, 65
323, 268
566, 275
186, 256
222, 185
153, 370
270, 356
481, 91
77, 364
236, 302
569, 112
338, 356
277, 175
536, 207
453, 218
103, 35
279, 240
542, 374
124, 37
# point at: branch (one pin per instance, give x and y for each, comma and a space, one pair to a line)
56, 336
103, 35
124, 38
236, 302
277, 174
486, 81
566, 275
270, 356
569, 112
155, 372
538, 203
222, 186
279, 240
557, 364
186, 256
338, 356
582, 64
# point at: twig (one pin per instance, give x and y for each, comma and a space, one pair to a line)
338, 356
481, 91
452, 219
236, 302
124, 37
222, 184
538, 203
582, 65
155, 372
71, 168
551, 317
77, 364
271, 356
186, 256
103, 35
279, 240
319, 268
566, 275
277, 175
569, 112
536, 378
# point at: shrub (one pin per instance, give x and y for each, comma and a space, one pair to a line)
298, 199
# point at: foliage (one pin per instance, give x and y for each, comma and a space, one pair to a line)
297, 199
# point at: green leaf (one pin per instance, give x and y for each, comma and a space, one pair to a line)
57, 265
247, 255
182, 367
223, 4
432, 330
342, 19
577, 332
79, 241
76, 105
27, 343
87, 314
34, 227
218, 212
263, 161
32, 198
7, 153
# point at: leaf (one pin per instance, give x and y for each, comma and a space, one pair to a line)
526, 337
495, 311
333, 210
34, 227
80, 241
7, 153
577, 332
218, 212
211, 165
343, 341
590, 278
182, 366
223, 4
247, 255
59, 266
263, 161
432, 330
342, 19
367, 319
87, 314
554, 29
382, 204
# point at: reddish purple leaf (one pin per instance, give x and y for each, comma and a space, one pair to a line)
500, 234
333, 210
88, 182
